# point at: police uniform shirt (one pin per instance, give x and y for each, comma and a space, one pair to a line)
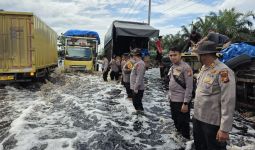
115, 65
127, 70
123, 62
183, 72
105, 64
215, 96
137, 76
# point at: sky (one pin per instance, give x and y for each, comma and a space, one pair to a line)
166, 15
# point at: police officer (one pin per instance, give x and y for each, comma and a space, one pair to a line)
180, 92
124, 60
137, 80
214, 101
126, 70
115, 67
105, 68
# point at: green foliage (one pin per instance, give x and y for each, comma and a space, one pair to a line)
234, 24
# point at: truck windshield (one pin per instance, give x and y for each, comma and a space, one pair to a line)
79, 53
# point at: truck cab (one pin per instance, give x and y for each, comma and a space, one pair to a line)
80, 52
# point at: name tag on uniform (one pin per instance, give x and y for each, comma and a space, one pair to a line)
176, 72
208, 80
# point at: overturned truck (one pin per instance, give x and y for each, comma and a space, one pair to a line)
122, 36
240, 57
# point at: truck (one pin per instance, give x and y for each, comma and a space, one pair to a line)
28, 47
240, 57
122, 36
81, 48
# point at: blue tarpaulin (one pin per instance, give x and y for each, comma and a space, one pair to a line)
82, 33
237, 49
145, 52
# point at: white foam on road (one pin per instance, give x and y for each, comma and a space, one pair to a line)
85, 112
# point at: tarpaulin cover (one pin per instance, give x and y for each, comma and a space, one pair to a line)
145, 52
130, 29
237, 49
135, 29
82, 33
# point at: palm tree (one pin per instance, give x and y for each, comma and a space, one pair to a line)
229, 22
204, 25
185, 32
234, 24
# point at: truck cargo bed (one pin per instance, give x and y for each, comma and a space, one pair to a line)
28, 47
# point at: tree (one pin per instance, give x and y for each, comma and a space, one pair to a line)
234, 24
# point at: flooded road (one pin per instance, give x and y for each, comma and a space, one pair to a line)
81, 112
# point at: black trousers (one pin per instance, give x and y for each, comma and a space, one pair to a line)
181, 120
159, 57
128, 90
205, 136
137, 100
114, 75
105, 74
122, 82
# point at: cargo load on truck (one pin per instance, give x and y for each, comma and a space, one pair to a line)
28, 47
240, 57
81, 48
123, 36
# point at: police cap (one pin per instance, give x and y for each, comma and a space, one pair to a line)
206, 47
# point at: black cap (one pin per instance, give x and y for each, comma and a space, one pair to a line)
206, 47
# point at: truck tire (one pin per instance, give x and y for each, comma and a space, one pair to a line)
238, 60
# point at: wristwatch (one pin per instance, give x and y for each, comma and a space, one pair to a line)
185, 103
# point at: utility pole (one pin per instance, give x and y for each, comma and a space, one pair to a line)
149, 13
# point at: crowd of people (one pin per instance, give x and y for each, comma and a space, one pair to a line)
214, 100
131, 68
